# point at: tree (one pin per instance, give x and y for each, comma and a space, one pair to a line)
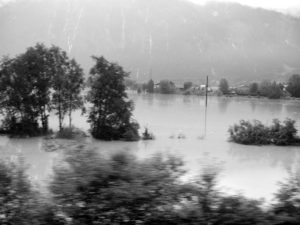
74, 86
111, 112
294, 85
25, 83
187, 85
150, 86
253, 88
166, 87
223, 86
67, 84
270, 89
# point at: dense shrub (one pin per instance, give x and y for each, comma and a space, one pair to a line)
70, 133
146, 135
256, 133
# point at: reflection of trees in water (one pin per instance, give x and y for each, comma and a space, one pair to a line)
165, 100
187, 99
223, 104
272, 155
253, 106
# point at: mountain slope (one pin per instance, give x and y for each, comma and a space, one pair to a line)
170, 39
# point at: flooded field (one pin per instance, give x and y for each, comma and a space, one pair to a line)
251, 170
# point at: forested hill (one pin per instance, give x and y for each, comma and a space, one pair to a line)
162, 39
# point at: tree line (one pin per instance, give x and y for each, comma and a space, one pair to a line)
45, 79
88, 188
266, 88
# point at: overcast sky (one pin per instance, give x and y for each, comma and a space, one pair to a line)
286, 6
279, 5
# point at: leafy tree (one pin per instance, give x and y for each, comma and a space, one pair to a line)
187, 85
25, 83
223, 86
294, 85
166, 87
253, 88
67, 84
270, 89
150, 86
111, 113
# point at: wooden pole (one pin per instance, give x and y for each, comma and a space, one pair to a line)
206, 89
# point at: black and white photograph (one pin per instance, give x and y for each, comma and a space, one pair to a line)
149, 112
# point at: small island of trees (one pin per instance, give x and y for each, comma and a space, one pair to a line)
44, 79
256, 133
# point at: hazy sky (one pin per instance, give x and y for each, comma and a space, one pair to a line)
287, 6
280, 5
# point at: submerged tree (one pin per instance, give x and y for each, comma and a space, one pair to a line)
294, 85
25, 83
150, 86
111, 112
67, 84
223, 86
167, 87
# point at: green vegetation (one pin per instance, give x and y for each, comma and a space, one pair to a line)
89, 188
253, 89
70, 133
279, 133
26, 82
67, 83
223, 86
146, 135
44, 79
166, 87
111, 112
270, 89
150, 86
294, 85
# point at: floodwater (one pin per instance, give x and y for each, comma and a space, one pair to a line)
251, 170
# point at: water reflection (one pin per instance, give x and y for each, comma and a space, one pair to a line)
223, 104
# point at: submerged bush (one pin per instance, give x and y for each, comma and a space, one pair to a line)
70, 133
256, 133
146, 135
